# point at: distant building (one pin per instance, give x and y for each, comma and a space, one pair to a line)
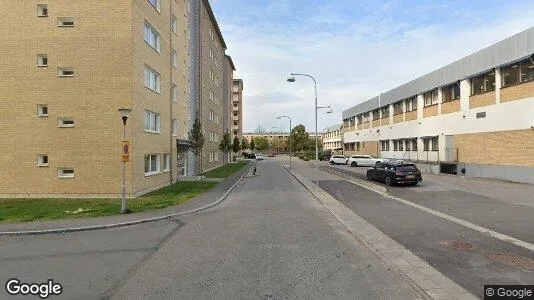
333, 139
237, 108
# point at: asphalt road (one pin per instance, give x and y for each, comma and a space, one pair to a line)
466, 256
270, 239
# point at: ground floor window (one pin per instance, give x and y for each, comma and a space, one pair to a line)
426, 144
152, 164
435, 144
384, 145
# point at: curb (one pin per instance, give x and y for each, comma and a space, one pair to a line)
365, 184
123, 224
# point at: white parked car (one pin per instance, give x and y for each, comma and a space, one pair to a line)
363, 161
260, 157
338, 160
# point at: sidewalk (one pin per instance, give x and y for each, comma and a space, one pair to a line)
202, 200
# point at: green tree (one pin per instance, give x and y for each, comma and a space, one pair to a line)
225, 146
235, 145
244, 144
300, 138
261, 143
196, 141
252, 145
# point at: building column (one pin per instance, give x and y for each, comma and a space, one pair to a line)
498, 85
404, 110
465, 92
440, 100
420, 107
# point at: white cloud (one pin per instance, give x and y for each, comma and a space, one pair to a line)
351, 65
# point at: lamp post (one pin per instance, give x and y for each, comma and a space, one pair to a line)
125, 112
292, 79
289, 137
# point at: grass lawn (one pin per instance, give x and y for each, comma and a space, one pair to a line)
26, 210
226, 170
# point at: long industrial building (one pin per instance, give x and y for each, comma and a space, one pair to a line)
474, 116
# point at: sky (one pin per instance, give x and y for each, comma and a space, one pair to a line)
355, 49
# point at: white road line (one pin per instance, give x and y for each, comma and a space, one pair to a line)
488, 232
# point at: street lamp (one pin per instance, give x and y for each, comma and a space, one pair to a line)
292, 79
289, 137
125, 113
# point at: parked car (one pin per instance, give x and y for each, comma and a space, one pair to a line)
249, 155
338, 160
395, 173
363, 161
260, 157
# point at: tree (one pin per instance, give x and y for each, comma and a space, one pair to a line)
225, 146
235, 145
300, 138
261, 143
196, 140
244, 144
252, 145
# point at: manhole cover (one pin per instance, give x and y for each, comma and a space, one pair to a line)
513, 260
459, 245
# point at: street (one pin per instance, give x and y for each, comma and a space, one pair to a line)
269, 239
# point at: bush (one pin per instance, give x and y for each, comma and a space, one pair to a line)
306, 159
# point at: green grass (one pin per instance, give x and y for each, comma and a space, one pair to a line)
225, 171
26, 210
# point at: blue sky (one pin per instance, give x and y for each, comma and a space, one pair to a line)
354, 48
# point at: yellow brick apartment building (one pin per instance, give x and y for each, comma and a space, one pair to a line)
64, 76
474, 116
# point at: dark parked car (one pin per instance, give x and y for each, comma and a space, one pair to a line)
249, 155
395, 173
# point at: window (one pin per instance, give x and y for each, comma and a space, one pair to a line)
152, 164
174, 92
211, 54
174, 58
166, 162
414, 145
357, 146
451, 92
366, 118
431, 98
65, 122
65, 173
235, 123
385, 112
155, 3
152, 122
483, 83
42, 60
65, 22
426, 144
401, 145
211, 95
395, 145
152, 79
435, 144
408, 144
235, 114
42, 10
411, 104
174, 24
384, 145
376, 114
65, 72
518, 73
397, 108
212, 115
216, 156
42, 110
481, 115
174, 127
152, 37
42, 160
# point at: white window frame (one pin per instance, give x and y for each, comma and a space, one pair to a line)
40, 112
174, 92
64, 173
61, 72
152, 79
152, 157
152, 122
62, 20
41, 160
61, 122
174, 24
166, 162
151, 36
42, 10
174, 127
42, 60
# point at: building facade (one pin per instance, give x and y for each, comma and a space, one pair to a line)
237, 108
333, 139
207, 48
61, 87
228, 80
474, 116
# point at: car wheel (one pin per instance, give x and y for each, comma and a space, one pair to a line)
353, 164
332, 163
389, 181
369, 177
